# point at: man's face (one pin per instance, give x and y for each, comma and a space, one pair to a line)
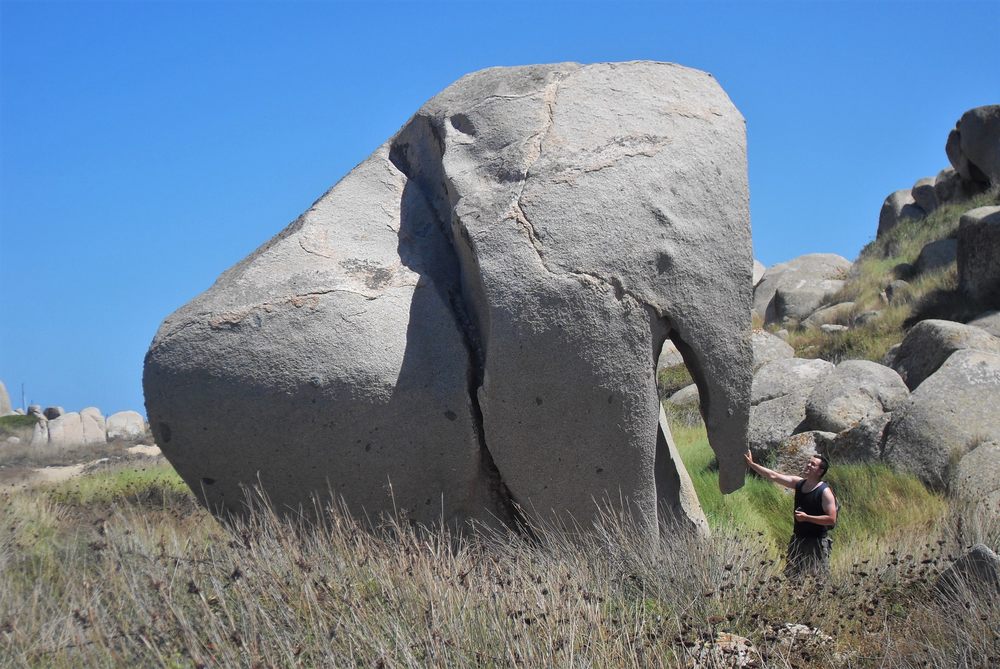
812, 468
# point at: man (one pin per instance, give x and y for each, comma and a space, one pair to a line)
815, 513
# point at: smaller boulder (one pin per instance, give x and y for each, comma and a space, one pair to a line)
40, 434
861, 443
989, 321
36, 410
936, 255
66, 431
804, 282
978, 251
669, 356
929, 343
53, 412
977, 480
951, 412
924, 194
684, 406
126, 425
978, 572
94, 426
768, 348
897, 207
831, 328
974, 145
853, 391
790, 376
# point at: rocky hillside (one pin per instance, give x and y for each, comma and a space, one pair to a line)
896, 356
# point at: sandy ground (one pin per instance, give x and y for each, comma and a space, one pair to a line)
18, 478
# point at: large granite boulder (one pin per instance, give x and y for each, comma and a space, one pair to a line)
66, 431
796, 288
778, 401
793, 452
854, 391
950, 413
898, 206
979, 255
471, 317
973, 147
929, 343
126, 425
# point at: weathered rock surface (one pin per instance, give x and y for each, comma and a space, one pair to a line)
94, 426
35, 410
768, 348
472, 314
758, 271
973, 147
952, 411
854, 391
126, 425
803, 283
897, 207
936, 255
989, 321
948, 185
929, 343
977, 479
40, 434
979, 255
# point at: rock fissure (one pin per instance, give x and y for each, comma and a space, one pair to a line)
508, 510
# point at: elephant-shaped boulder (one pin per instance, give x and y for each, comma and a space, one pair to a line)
466, 326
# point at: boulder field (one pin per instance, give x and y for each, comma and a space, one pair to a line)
466, 326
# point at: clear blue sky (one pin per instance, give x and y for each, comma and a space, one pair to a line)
146, 147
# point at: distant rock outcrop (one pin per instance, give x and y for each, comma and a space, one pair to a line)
5, 407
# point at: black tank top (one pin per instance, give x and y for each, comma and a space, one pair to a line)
811, 503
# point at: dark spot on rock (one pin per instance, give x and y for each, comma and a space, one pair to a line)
663, 262
599, 470
611, 398
207, 480
538, 401
368, 447
450, 415
463, 124
164, 431
428, 502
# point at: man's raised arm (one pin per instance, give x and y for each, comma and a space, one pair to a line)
786, 480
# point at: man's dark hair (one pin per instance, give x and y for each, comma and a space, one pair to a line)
824, 462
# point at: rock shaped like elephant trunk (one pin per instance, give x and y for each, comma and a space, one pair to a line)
472, 315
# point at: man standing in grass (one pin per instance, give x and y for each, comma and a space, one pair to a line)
815, 513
